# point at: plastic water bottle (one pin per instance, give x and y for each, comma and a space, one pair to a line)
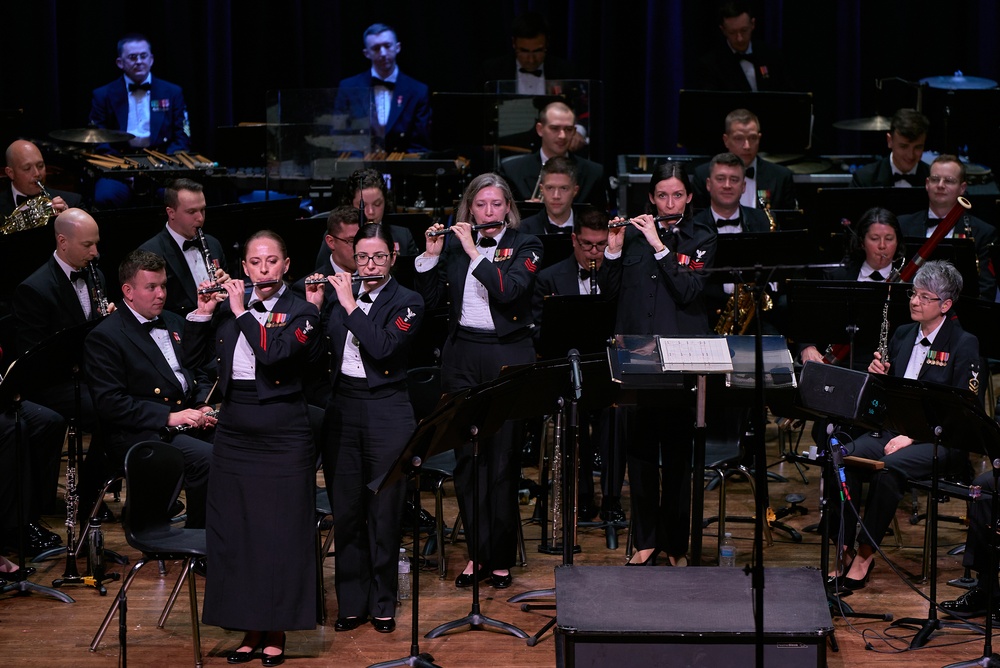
403, 591
727, 551
95, 550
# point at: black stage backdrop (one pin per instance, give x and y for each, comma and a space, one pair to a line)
227, 53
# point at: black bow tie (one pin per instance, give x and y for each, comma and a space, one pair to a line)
20, 199
719, 222
559, 229
925, 342
534, 73
380, 82
912, 179
584, 274
932, 222
156, 323
74, 276
365, 297
486, 242
750, 171
875, 276
133, 87
744, 56
192, 243
259, 307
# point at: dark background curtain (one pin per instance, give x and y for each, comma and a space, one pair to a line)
228, 53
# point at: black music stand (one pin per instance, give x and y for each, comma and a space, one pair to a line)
961, 253
702, 113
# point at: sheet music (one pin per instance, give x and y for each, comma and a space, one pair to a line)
709, 355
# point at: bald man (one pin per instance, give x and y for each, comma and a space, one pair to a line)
25, 168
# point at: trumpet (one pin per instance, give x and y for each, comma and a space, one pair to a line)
670, 217
354, 279
221, 288
96, 293
483, 226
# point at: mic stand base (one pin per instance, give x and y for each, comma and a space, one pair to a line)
991, 661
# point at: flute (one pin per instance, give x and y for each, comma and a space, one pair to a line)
484, 226
355, 278
656, 219
221, 288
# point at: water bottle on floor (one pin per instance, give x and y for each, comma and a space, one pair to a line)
403, 592
727, 551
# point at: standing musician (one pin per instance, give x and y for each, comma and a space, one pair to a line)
260, 525
189, 262
370, 335
945, 184
488, 279
25, 168
933, 348
655, 270
140, 385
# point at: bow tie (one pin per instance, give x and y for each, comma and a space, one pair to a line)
744, 56
559, 229
584, 274
192, 243
75, 276
133, 87
925, 342
750, 171
912, 179
20, 199
385, 84
932, 222
156, 323
719, 222
876, 277
534, 73
365, 297
259, 307
486, 242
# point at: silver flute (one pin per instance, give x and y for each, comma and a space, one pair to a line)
221, 288
656, 219
355, 278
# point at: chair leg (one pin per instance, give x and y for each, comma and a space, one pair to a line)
320, 586
897, 535
195, 630
174, 593
522, 553
114, 604
82, 538
439, 526
722, 504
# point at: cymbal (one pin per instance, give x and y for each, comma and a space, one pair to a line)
871, 124
959, 81
91, 136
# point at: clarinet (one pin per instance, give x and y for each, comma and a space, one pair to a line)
593, 277
883, 338
206, 254
96, 293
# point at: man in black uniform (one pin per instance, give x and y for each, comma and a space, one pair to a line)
26, 170
558, 190
740, 63
902, 168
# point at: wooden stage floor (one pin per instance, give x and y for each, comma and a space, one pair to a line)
39, 631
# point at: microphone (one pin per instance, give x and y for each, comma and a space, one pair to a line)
576, 374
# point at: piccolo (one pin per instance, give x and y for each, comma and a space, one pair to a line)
219, 288
355, 278
484, 226
656, 219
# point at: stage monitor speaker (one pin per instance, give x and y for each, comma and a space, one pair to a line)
840, 393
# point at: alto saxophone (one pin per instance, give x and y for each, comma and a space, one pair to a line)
31, 214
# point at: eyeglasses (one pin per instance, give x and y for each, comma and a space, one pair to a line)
588, 246
947, 180
342, 240
378, 258
924, 299
136, 57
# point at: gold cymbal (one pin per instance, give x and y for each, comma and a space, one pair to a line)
91, 136
870, 124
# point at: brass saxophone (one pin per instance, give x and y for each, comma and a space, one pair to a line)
31, 214
765, 204
96, 293
740, 310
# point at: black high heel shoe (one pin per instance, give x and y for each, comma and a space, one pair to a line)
854, 585
649, 561
273, 659
843, 568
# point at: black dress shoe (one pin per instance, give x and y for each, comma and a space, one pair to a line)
585, 511
41, 535
273, 659
348, 623
384, 625
105, 515
501, 581
854, 585
611, 510
201, 567
970, 604
426, 519
465, 579
240, 657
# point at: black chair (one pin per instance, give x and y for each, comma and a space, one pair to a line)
154, 472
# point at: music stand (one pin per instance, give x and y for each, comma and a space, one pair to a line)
961, 253
982, 318
702, 112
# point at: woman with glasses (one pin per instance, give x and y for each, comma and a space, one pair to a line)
368, 420
933, 348
487, 277
655, 268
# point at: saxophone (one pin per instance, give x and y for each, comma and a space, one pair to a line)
736, 317
31, 214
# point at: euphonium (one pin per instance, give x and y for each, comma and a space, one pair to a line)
31, 214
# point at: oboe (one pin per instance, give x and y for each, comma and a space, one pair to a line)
484, 226
221, 288
656, 219
354, 279
96, 293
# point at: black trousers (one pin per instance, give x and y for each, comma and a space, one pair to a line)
663, 441
366, 432
977, 541
602, 432
43, 432
470, 359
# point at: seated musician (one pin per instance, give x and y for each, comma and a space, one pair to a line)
933, 348
576, 276
179, 244
873, 248
25, 169
341, 228
725, 184
556, 127
655, 270
141, 389
396, 106
558, 190
902, 168
945, 184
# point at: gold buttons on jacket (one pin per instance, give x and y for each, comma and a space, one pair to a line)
156, 390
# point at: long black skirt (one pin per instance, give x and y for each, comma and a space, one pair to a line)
261, 527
